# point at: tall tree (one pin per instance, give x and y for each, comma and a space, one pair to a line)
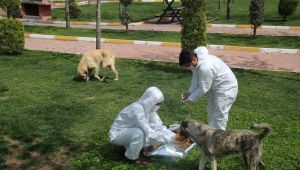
67, 6
193, 33
228, 9
98, 24
256, 10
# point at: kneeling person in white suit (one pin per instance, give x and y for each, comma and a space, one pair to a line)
138, 125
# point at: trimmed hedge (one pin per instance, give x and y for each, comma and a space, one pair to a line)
11, 35
286, 8
193, 24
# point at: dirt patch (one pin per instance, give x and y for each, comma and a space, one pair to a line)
35, 159
3, 98
90, 98
15, 148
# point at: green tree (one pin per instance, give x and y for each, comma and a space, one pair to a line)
12, 7
256, 10
286, 8
193, 33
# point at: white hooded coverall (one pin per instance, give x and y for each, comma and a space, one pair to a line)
212, 75
138, 125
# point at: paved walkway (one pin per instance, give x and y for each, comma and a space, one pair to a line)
177, 27
247, 60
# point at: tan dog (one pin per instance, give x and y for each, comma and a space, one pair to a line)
91, 61
215, 142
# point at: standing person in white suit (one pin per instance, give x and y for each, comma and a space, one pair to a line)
210, 75
138, 125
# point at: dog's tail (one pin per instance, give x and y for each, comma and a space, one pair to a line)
266, 127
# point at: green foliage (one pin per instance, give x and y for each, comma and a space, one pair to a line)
256, 10
12, 7
75, 10
287, 7
193, 24
126, 2
11, 35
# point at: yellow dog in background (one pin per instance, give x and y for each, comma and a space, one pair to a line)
91, 61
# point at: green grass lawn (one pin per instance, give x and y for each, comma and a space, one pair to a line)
219, 39
144, 11
110, 12
50, 119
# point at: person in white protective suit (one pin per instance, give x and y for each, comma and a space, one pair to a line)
138, 125
210, 75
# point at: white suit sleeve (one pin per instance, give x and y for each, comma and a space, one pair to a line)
194, 82
162, 134
205, 78
141, 121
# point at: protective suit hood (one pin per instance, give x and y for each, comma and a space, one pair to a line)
202, 53
151, 97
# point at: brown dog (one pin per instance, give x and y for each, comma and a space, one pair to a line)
215, 142
91, 61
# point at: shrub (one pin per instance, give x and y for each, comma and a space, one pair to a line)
12, 7
75, 10
286, 8
193, 33
11, 35
256, 10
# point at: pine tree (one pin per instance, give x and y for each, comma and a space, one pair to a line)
286, 8
256, 10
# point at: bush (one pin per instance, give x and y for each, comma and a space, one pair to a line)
75, 11
13, 11
256, 10
11, 36
12, 7
286, 8
193, 33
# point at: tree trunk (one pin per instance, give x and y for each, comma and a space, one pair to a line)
89, 2
228, 9
219, 7
67, 14
7, 12
98, 22
284, 18
254, 31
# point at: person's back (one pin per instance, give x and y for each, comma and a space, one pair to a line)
223, 78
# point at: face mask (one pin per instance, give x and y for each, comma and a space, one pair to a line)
155, 108
191, 68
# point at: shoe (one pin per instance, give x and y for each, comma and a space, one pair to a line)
141, 161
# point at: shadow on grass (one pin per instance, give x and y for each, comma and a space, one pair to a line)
264, 74
165, 67
41, 136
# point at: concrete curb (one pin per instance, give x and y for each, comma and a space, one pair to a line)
208, 25
157, 43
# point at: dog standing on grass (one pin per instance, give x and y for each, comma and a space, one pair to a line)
215, 142
91, 60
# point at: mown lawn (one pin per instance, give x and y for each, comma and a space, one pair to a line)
145, 11
49, 119
213, 38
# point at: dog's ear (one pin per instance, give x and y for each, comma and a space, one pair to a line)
184, 124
